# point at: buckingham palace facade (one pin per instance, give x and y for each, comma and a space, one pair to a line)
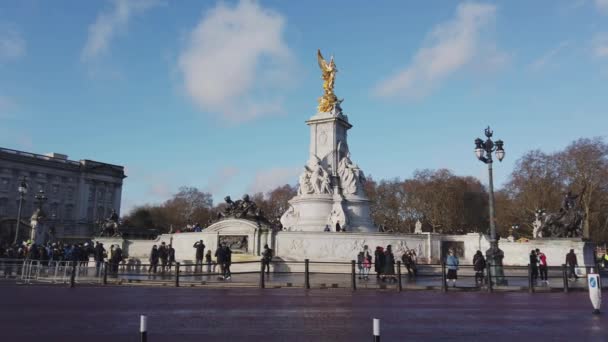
79, 193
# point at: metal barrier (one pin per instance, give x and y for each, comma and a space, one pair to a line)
297, 274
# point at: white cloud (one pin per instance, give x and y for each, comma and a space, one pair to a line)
548, 57
600, 45
235, 61
451, 46
12, 45
602, 5
109, 23
269, 179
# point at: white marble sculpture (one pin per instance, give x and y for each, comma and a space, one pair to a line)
418, 227
537, 232
337, 215
290, 218
351, 176
305, 186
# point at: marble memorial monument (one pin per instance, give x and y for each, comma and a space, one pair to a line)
331, 187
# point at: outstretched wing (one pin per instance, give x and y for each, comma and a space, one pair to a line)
322, 63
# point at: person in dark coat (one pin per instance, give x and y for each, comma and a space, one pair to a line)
389, 264
116, 259
266, 258
171, 256
163, 254
379, 261
479, 265
99, 255
220, 257
572, 264
534, 266
227, 262
153, 259
200, 255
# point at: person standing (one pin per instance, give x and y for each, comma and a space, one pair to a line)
533, 266
171, 256
116, 258
99, 255
163, 254
266, 258
200, 253
379, 261
572, 263
542, 265
389, 264
153, 259
452, 263
208, 261
479, 265
367, 262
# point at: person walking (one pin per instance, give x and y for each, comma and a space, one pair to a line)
227, 262
542, 265
220, 257
572, 263
479, 265
389, 264
452, 263
266, 258
533, 266
153, 259
200, 253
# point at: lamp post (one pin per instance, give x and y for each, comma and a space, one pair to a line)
483, 151
38, 214
22, 192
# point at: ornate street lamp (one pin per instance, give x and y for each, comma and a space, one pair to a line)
38, 215
22, 192
483, 151
40, 198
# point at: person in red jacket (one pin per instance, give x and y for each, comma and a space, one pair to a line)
542, 265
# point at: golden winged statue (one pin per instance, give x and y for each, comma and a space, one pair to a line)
328, 101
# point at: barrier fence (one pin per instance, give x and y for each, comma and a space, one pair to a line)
298, 274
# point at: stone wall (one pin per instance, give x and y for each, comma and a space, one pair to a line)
343, 247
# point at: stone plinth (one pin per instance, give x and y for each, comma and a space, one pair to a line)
331, 186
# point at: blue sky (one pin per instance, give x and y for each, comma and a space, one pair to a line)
215, 94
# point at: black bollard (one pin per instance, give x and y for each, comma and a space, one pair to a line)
73, 275
490, 288
353, 275
376, 330
105, 273
262, 283
565, 276
306, 274
177, 274
530, 280
444, 285
143, 328
399, 285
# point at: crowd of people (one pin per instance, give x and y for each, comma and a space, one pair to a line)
67, 254
384, 262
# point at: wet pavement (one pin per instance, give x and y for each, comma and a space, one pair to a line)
91, 313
